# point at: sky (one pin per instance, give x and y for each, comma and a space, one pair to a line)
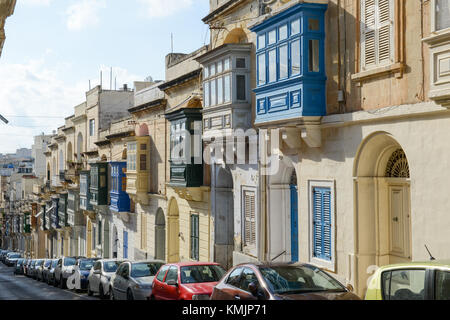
54, 48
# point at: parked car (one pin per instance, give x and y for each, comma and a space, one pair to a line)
133, 280
18, 268
64, 270
81, 272
280, 281
51, 272
3, 255
31, 270
39, 269
100, 276
26, 265
186, 281
11, 258
45, 269
411, 281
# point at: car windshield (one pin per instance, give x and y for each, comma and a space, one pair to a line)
54, 263
20, 262
86, 264
199, 274
47, 263
16, 255
69, 262
111, 266
299, 279
139, 270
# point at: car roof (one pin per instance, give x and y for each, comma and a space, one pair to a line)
266, 264
419, 264
147, 261
188, 264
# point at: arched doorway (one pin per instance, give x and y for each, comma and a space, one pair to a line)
223, 217
160, 235
383, 206
283, 213
79, 146
106, 237
115, 244
48, 172
174, 231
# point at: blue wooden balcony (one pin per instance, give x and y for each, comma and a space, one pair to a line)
290, 56
120, 200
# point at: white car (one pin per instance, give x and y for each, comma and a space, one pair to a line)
63, 270
100, 276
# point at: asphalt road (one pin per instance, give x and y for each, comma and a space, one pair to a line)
22, 288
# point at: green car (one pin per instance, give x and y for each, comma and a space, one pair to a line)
411, 281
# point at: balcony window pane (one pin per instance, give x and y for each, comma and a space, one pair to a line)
261, 41
295, 27
283, 32
227, 89
220, 90
283, 62
206, 93
219, 67
442, 14
240, 87
226, 64
313, 55
272, 37
212, 69
295, 58
261, 69
240, 63
272, 65
143, 162
206, 72
213, 93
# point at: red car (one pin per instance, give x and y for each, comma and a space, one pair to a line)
186, 281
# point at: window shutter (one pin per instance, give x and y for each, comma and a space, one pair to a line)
322, 223
250, 219
377, 33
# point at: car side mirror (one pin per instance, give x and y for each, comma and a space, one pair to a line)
350, 288
172, 283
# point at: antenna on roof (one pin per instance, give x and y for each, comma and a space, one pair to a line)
101, 79
431, 256
171, 42
110, 80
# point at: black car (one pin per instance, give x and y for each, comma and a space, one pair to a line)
11, 258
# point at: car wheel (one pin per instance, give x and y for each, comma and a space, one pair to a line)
152, 297
130, 295
89, 292
111, 294
61, 282
101, 293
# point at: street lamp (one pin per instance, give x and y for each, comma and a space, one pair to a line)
3, 119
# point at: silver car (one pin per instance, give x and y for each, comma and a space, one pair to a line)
63, 270
39, 268
133, 280
100, 276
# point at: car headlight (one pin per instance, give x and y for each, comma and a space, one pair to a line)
143, 286
200, 297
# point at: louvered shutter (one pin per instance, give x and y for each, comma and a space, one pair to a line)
322, 223
377, 33
250, 219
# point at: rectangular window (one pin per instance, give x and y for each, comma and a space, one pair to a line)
219, 90
295, 27
206, 93
143, 162
227, 89
240, 63
240, 87
377, 33
262, 41
131, 156
206, 72
283, 62
249, 219
295, 58
272, 37
261, 69
313, 56
195, 239
283, 31
213, 93
219, 67
91, 127
442, 14
226, 64
212, 69
322, 223
442, 288
272, 65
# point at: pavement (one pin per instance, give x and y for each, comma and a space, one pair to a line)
14, 287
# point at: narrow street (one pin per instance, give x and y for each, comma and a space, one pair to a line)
22, 288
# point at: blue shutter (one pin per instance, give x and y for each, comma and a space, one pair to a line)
322, 226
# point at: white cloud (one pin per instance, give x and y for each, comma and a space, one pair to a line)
36, 2
38, 93
165, 8
83, 14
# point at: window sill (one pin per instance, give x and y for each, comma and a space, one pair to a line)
396, 68
438, 37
